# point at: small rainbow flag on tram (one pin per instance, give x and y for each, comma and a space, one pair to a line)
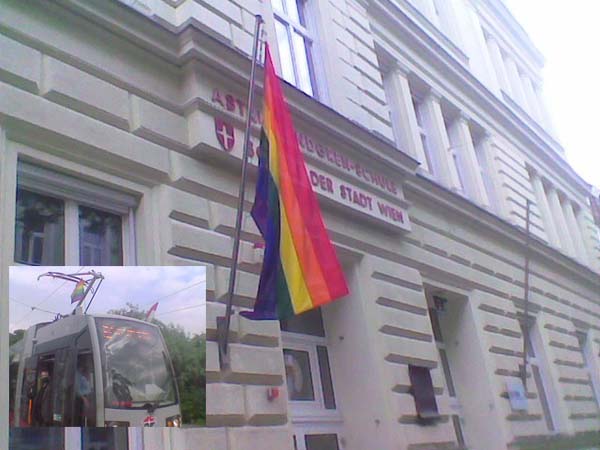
151, 312
78, 293
300, 269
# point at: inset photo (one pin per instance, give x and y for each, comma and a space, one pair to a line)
107, 346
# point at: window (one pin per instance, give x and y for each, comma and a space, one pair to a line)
546, 395
592, 363
61, 220
39, 230
437, 307
422, 390
104, 438
295, 44
452, 123
36, 438
423, 134
486, 172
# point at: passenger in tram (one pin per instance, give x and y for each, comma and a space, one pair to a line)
83, 392
42, 402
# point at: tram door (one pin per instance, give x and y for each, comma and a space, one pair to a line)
28, 389
53, 407
316, 420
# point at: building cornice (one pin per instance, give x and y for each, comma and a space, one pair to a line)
499, 9
408, 31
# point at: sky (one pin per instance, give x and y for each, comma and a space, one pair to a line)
174, 287
567, 33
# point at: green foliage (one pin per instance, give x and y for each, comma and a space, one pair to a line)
188, 354
15, 337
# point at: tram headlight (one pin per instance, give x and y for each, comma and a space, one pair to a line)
174, 421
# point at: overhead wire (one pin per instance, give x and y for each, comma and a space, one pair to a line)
32, 307
181, 309
175, 292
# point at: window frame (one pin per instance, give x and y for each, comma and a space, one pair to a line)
424, 135
591, 363
307, 409
75, 192
536, 356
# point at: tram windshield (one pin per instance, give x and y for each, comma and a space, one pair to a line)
136, 366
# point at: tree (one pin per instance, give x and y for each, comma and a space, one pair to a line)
188, 354
15, 337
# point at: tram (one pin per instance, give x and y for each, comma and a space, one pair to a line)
93, 370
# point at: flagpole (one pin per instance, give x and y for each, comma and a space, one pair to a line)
223, 323
526, 294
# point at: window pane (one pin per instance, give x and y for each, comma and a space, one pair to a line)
458, 171
321, 442
301, 58
100, 240
292, 10
39, 230
84, 413
539, 385
138, 370
427, 153
285, 53
278, 6
447, 373
435, 325
37, 438
326, 382
309, 322
417, 108
104, 438
298, 375
460, 438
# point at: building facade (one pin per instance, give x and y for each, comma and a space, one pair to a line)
425, 135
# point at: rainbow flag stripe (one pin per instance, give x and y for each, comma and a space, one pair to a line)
300, 269
79, 292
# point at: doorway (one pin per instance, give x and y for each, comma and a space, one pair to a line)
315, 417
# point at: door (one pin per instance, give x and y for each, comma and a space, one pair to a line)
437, 307
316, 419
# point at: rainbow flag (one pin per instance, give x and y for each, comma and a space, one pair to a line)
300, 267
78, 293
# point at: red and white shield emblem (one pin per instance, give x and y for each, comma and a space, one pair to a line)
225, 134
149, 421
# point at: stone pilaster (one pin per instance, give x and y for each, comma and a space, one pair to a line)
487, 159
514, 78
436, 131
547, 120
498, 64
534, 109
575, 232
544, 208
476, 189
561, 224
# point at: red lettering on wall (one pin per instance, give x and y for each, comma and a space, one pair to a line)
390, 212
236, 105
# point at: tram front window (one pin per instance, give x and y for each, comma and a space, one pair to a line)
136, 366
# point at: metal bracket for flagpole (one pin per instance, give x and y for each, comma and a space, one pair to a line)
526, 295
224, 322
